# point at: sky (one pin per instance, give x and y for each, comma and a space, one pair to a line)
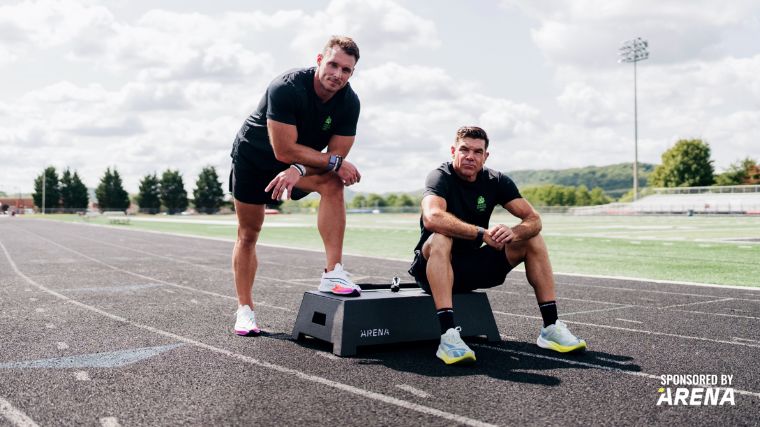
143, 86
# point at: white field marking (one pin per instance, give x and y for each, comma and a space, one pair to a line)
15, 416
641, 331
142, 276
745, 339
50, 326
490, 290
62, 345
194, 301
109, 422
247, 359
696, 303
618, 362
39, 310
667, 243
328, 355
744, 247
598, 310
169, 291
520, 269
638, 290
634, 242
704, 245
82, 376
415, 391
719, 314
174, 259
627, 320
595, 366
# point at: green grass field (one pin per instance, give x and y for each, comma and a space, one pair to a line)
720, 250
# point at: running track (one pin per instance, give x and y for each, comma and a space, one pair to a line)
110, 326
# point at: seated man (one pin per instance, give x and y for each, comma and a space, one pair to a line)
450, 257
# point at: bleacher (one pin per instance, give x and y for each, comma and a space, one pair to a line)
736, 200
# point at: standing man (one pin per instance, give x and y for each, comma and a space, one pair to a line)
459, 198
278, 153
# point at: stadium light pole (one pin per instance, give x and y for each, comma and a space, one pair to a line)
44, 185
635, 50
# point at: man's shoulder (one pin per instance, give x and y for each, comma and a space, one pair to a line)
494, 175
296, 78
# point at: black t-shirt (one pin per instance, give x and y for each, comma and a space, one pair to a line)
291, 99
471, 202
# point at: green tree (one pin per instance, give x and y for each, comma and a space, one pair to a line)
359, 201
404, 200
391, 199
149, 196
74, 195
597, 197
110, 192
741, 172
173, 194
52, 189
208, 193
582, 196
686, 164
376, 201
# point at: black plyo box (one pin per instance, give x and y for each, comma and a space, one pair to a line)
384, 317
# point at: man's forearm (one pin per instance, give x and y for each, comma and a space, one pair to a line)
527, 229
449, 225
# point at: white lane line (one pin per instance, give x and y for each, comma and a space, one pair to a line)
142, 276
618, 362
247, 359
39, 310
50, 326
641, 331
595, 366
615, 288
33, 299
194, 301
628, 320
62, 345
696, 303
15, 416
328, 355
109, 422
597, 311
82, 376
745, 339
415, 391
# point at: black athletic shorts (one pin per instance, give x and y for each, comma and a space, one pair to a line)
480, 269
247, 184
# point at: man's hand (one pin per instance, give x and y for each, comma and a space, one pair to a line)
284, 181
348, 173
488, 240
501, 234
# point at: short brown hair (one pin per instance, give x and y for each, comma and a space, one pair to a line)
471, 132
347, 44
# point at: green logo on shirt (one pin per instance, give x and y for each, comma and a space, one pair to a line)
328, 122
481, 206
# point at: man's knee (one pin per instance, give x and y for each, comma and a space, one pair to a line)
248, 235
330, 185
438, 246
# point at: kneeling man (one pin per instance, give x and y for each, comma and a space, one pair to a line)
459, 252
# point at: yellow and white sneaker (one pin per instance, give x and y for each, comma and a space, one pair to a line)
558, 338
453, 350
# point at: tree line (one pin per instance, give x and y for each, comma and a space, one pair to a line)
69, 194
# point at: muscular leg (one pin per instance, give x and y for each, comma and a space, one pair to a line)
244, 263
331, 218
440, 275
538, 268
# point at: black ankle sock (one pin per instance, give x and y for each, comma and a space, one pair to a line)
548, 312
446, 319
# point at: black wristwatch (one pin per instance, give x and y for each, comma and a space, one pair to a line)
481, 232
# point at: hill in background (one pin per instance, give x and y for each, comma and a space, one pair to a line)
615, 180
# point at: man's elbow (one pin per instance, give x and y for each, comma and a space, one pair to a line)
284, 156
432, 220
